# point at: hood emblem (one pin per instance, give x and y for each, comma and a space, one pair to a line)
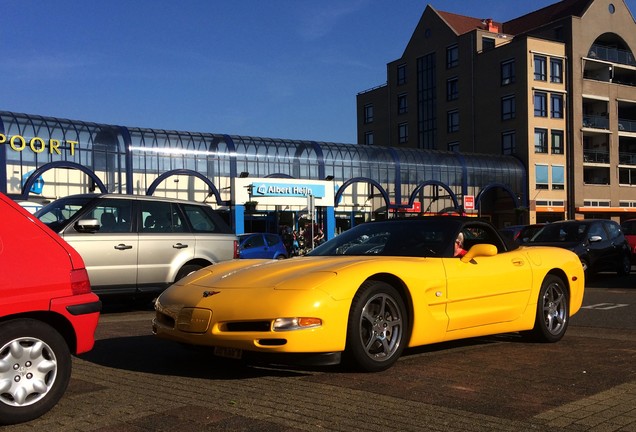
210, 293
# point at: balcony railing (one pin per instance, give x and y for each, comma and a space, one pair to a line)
596, 156
627, 158
613, 55
627, 125
595, 122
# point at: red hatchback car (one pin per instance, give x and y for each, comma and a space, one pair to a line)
47, 312
629, 230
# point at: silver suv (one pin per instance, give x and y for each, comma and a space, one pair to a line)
139, 244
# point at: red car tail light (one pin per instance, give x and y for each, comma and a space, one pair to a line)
80, 284
236, 249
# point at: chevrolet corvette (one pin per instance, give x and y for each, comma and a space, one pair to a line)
374, 290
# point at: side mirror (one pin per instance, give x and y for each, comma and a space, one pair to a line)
479, 250
87, 225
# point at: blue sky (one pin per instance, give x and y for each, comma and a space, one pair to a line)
271, 68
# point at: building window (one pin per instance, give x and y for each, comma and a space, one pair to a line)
507, 72
452, 118
368, 114
452, 89
403, 133
556, 102
541, 176
452, 56
540, 140
508, 143
368, 138
508, 108
627, 176
540, 104
558, 177
557, 142
487, 43
556, 70
401, 74
540, 68
402, 104
453, 146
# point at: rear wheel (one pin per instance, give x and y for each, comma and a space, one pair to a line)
186, 270
35, 369
377, 327
553, 311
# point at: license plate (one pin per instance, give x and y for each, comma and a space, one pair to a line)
233, 353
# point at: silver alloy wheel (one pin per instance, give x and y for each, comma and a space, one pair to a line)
555, 308
28, 369
380, 327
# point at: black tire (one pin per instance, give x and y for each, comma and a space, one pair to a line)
186, 270
377, 328
553, 311
586, 267
38, 369
625, 265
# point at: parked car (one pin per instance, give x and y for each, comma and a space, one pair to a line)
47, 311
262, 245
138, 244
365, 304
629, 231
520, 234
600, 244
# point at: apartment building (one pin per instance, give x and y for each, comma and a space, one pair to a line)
555, 88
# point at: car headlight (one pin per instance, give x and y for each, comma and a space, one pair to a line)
297, 323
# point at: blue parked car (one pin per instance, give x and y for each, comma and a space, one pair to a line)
261, 245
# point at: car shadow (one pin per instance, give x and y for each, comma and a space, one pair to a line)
148, 354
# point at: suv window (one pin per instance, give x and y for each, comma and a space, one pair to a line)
202, 219
272, 239
160, 217
114, 215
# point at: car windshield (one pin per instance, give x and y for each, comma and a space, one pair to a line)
57, 214
418, 238
560, 233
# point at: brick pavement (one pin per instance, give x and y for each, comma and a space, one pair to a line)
133, 382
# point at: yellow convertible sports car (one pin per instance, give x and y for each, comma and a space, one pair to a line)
374, 290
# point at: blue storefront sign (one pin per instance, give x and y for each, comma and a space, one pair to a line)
271, 189
37, 186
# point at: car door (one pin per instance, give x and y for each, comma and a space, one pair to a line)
110, 253
254, 247
600, 248
488, 289
165, 244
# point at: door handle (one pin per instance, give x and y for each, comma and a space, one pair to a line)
179, 246
122, 246
517, 262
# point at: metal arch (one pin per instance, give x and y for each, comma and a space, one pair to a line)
59, 164
279, 175
182, 171
351, 181
487, 188
422, 185
3, 161
229, 142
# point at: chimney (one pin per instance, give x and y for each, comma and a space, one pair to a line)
491, 26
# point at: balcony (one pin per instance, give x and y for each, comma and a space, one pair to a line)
627, 158
595, 122
613, 55
625, 125
596, 156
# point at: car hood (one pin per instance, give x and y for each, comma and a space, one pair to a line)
295, 273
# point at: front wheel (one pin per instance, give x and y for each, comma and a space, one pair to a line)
35, 369
553, 311
377, 327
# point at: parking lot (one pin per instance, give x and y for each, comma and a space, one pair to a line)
133, 382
